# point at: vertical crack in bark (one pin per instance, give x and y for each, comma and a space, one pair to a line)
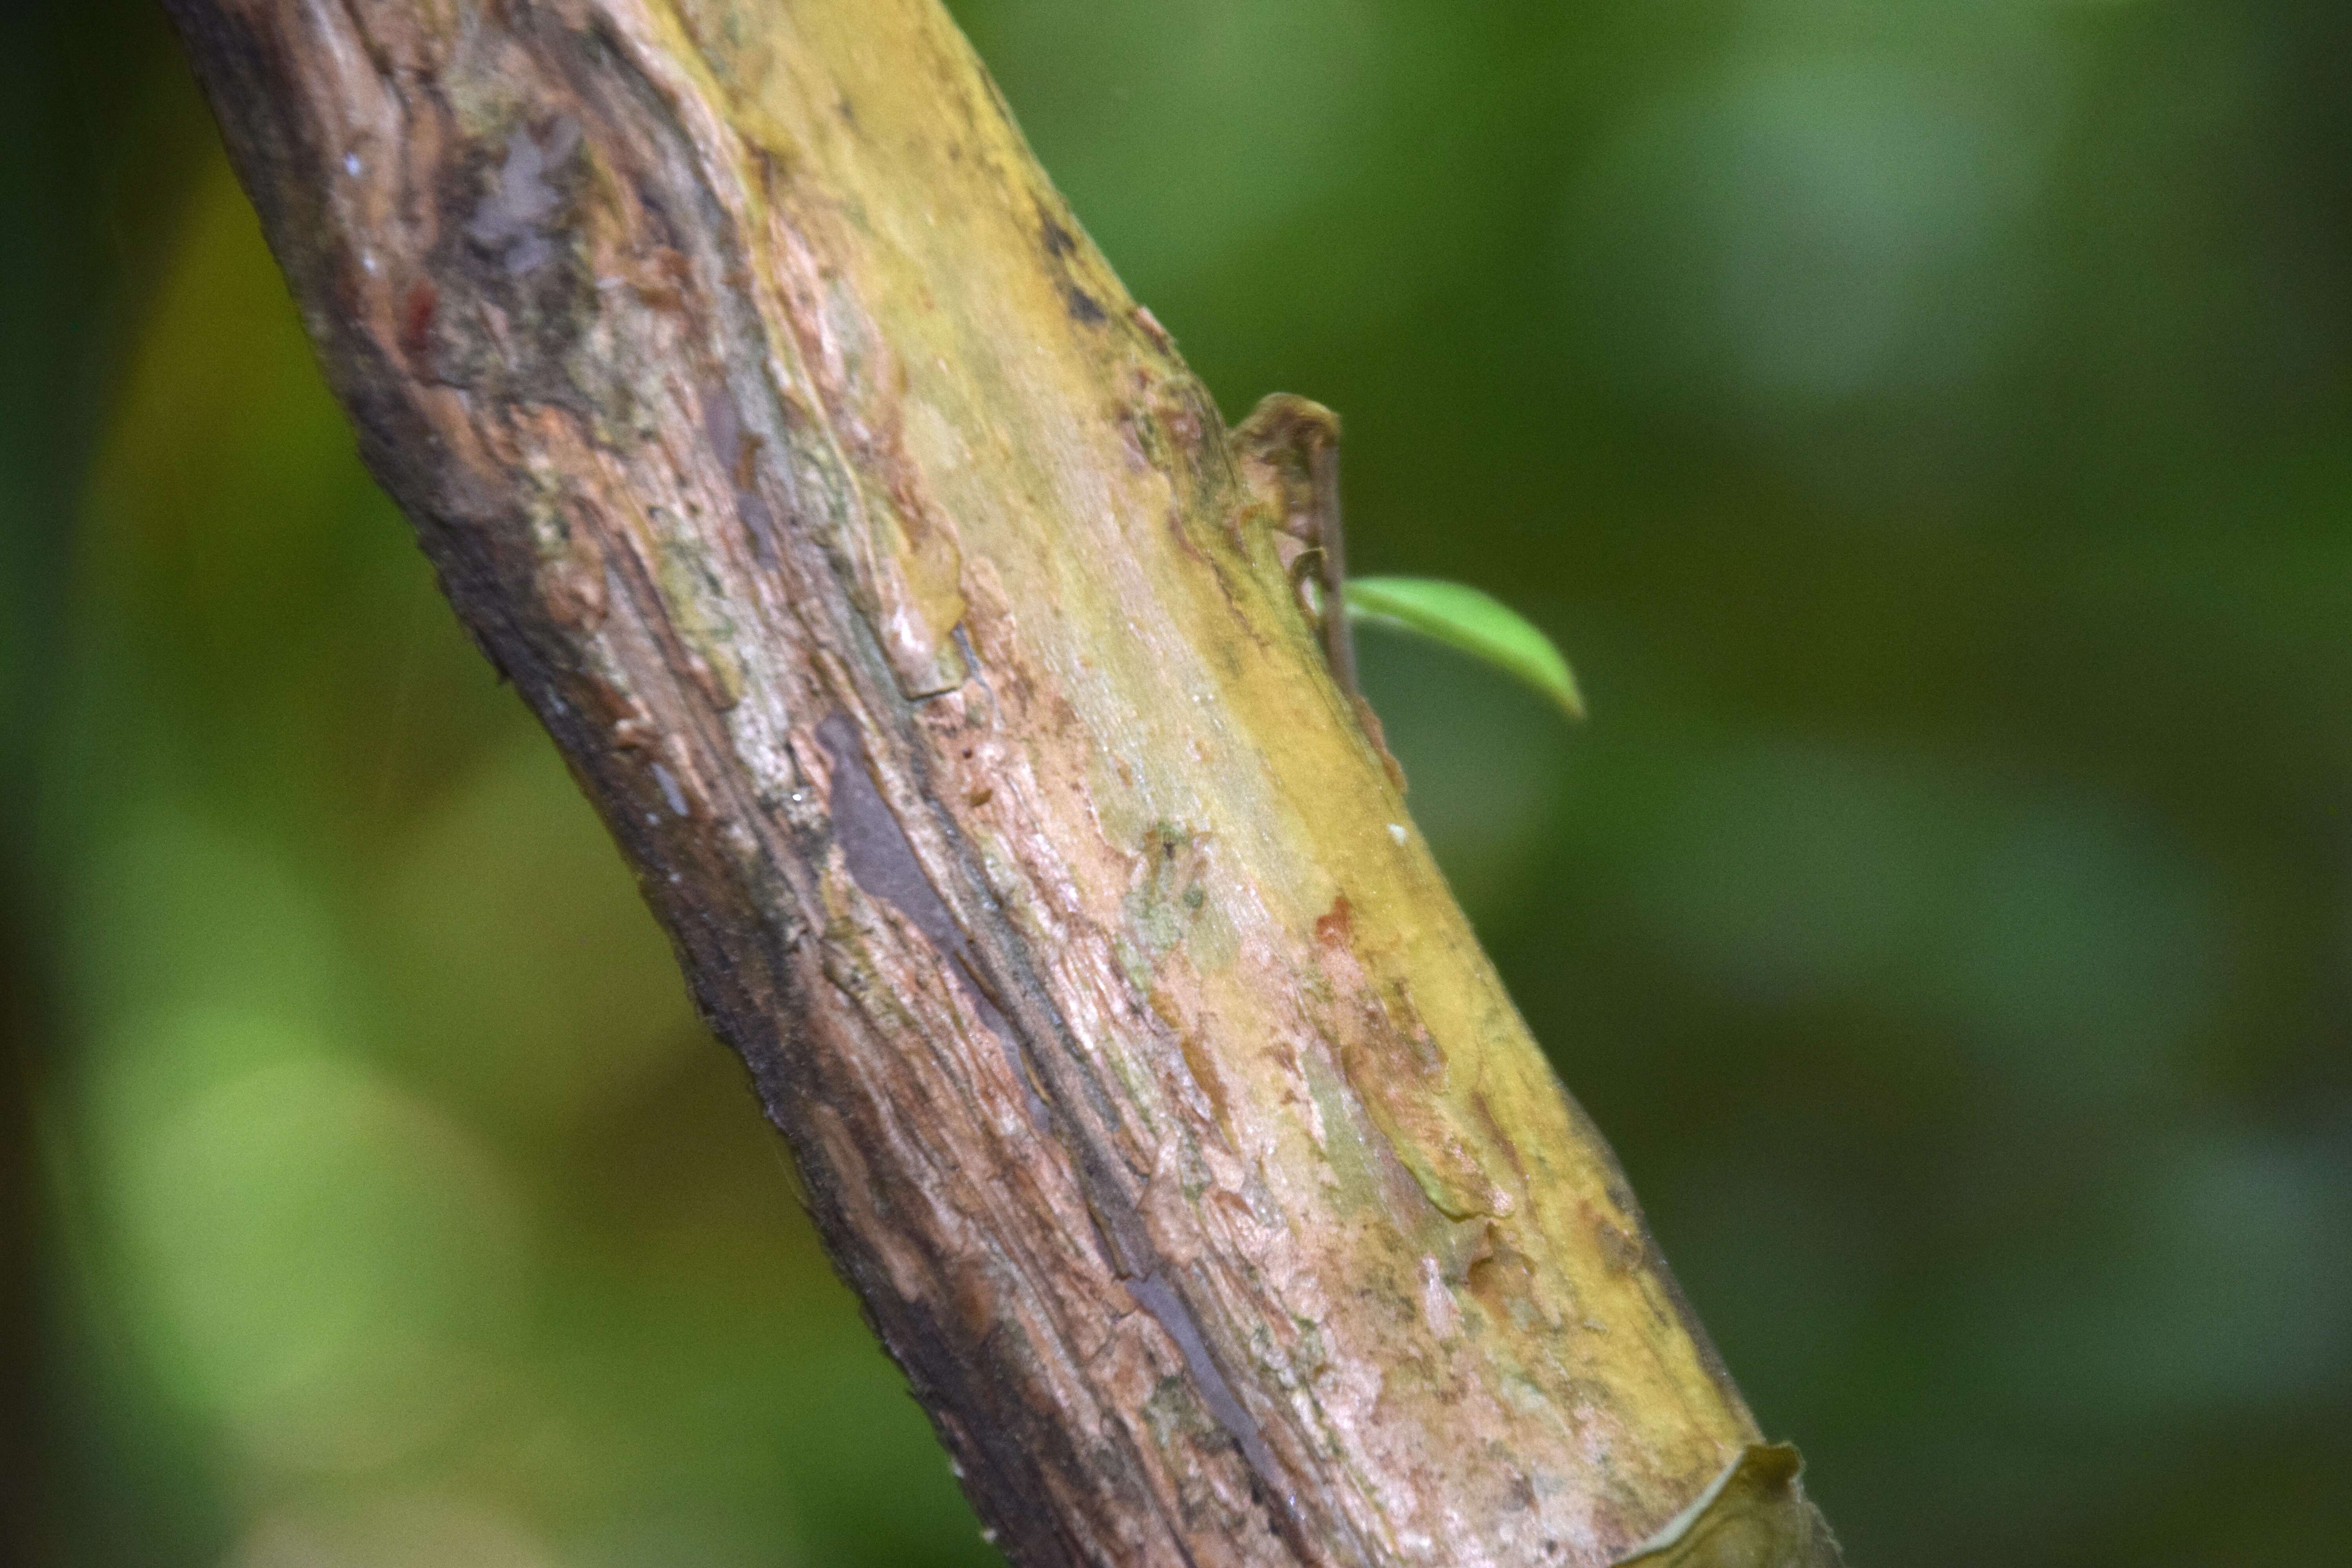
881, 859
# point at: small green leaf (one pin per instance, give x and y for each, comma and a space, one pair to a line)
1477, 623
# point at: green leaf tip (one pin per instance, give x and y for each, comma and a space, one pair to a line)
1472, 620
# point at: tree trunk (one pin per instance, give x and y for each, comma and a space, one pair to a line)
891, 587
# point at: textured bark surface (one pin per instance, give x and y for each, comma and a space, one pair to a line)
890, 587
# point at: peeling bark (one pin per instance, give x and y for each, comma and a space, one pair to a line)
889, 584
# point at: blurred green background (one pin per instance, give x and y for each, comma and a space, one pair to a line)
1927, 428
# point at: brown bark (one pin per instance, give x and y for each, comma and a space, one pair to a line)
888, 584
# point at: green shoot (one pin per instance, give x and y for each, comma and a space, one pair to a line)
1476, 622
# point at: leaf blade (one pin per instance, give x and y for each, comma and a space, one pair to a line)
1472, 620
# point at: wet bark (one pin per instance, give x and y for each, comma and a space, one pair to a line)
891, 587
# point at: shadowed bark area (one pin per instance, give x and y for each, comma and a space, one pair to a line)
891, 587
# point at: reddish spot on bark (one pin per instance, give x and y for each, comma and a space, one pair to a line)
1334, 929
416, 318
1499, 1275
1143, 317
747, 466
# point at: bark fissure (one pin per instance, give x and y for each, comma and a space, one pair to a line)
889, 585
881, 859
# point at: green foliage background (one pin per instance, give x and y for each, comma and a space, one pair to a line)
1927, 428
